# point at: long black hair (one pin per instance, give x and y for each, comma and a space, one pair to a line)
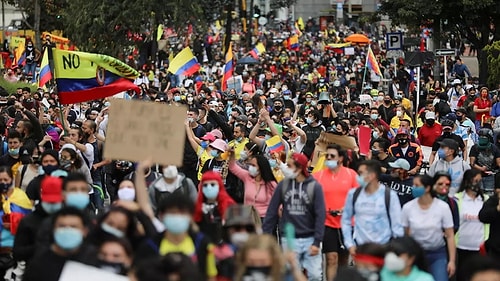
466, 183
427, 181
408, 245
266, 172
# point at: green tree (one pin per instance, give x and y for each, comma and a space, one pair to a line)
51, 18
476, 20
493, 54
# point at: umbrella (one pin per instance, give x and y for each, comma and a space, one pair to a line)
358, 38
247, 60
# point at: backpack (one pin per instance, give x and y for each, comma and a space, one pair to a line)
23, 172
387, 196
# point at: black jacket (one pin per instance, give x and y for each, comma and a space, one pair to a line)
489, 214
150, 248
25, 240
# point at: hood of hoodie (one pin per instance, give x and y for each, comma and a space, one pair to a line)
162, 186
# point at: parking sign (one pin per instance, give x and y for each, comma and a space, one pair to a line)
394, 41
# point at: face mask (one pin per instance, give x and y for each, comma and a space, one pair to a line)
417, 191
267, 137
313, 103
14, 151
399, 113
308, 100
430, 122
375, 153
176, 224
248, 108
214, 153
375, 135
252, 170
51, 208
271, 96
170, 172
441, 153
361, 181
273, 163
477, 187
243, 155
239, 139
126, 194
230, 102
111, 230
289, 173
309, 120
210, 190
189, 99
257, 273
65, 164
483, 141
177, 98
402, 141
204, 144
460, 117
239, 238
380, 98
113, 267
394, 263
107, 104
77, 200
4, 187
387, 101
278, 108
190, 119
286, 97
47, 170
374, 116
331, 164
68, 238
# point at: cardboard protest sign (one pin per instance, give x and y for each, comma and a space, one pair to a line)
346, 142
138, 130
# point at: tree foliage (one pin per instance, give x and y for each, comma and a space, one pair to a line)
493, 52
276, 4
51, 18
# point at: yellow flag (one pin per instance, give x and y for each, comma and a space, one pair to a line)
159, 32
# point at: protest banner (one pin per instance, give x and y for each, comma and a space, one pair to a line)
75, 271
346, 142
138, 130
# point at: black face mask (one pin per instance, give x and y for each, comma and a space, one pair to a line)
375, 153
402, 141
114, 267
460, 117
430, 122
277, 108
387, 101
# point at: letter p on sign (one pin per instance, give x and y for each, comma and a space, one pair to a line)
394, 41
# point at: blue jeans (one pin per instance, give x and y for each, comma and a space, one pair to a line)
313, 264
30, 68
438, 263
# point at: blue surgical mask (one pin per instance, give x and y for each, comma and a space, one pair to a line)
375, 135
210, 190
204, 144
68, 238
77, 199
374, 116
177, 98
273, 163
112, 230
417, 191
331, 164
214, 153
286, 97
51, 208
309, 120
14, 151
230, 102
239, 139
361, 181
176, 224
441, 153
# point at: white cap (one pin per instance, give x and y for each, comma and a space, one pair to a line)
430, 115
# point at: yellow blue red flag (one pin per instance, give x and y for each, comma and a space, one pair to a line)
275, 144
258, 50
45, 74
184, 63
371, 62
228, 68
84, 76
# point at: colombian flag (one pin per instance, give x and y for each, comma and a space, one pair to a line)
275, 144
371, 62
257, 51
84, 76
228, 68
293, 42
45, 74
184, 63
20, 55
14, 208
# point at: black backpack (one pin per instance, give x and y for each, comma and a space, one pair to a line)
160, 195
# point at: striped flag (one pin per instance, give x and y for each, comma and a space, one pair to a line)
228, 68
45, 74
371, 62
258, 50
275, 144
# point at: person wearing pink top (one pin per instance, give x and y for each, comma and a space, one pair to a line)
258, 180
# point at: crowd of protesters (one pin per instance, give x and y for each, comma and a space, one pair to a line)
262, 194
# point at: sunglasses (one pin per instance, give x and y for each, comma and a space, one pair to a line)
332, 156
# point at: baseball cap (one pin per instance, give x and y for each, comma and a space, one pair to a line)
208, 137
400, 163
430, 115
447, 124
450, 143
302, 160
216, 133
51, 189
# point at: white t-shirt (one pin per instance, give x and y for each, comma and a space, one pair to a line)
470, 235
427, 226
